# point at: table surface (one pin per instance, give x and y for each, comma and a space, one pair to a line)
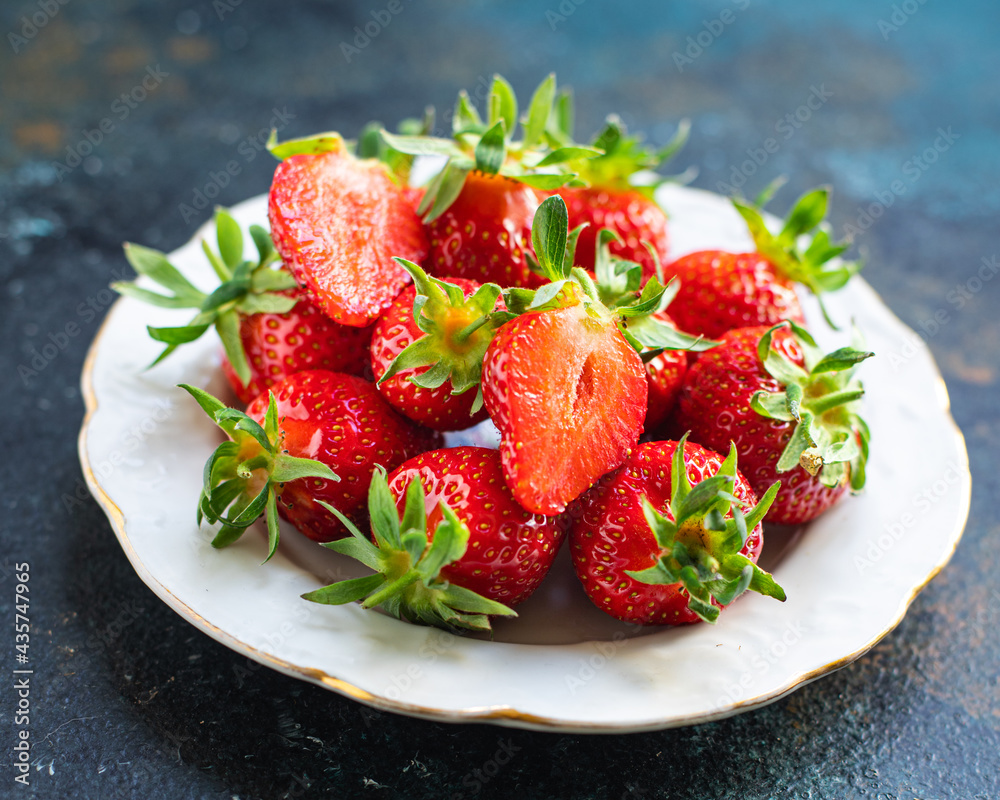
117, 115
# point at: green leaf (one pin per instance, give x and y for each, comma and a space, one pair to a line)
174, 336
272, 280
564, 154
502, 104
266, 304
469, 601
539, 110
263, 242
451, 537
271, 514
163, 301
491, 150
319, 143
226, 536
229, 237
546, 294
449, 185
562, 122
349, 591
800, 442
290, 468
549, 231
382, 509
844, 358
414, 510
154, 264
421, 145
772, 405
465, 117
228, 326
806, 214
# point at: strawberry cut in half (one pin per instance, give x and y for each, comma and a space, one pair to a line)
269, 326
721, 291
337, 222
428, 347
450, 545
651, 548
791, 411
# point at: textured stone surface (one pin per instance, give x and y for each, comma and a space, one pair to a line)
131, 701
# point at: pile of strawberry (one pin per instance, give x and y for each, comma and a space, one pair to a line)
527, 283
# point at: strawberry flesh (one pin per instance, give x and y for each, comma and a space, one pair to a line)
337, 222
568, 394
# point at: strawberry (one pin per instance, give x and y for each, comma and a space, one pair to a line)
451, 545
610, 200
269, 326
664, 349
427, 349
338, 221
562, 382
324, 426
479, 208
651, 549
722, 290
790, 410
279, 345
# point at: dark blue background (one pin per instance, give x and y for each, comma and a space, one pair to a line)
132, 701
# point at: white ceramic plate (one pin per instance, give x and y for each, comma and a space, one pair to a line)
562, 665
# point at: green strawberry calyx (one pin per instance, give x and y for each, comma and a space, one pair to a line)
407, 583
247, 286
813, 266
616, 296
700, 546
624, 157
830, 438
245, 475
456, 332
538, 158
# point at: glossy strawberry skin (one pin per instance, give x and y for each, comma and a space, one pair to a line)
279, 345
568, 394
714, 404
438, 409
665, 373
629, 213
338, 222
485, 234
610, 536
721, 291
343, 422
510, 550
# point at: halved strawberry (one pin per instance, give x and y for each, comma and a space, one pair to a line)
337, 222
452, 546
269, 326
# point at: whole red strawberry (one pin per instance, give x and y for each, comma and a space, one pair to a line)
337, 222
317, 435
279, 345
427, 358
269, 326
610, 200
451, 545
721, 291
479, 208
790, 410
650, 548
